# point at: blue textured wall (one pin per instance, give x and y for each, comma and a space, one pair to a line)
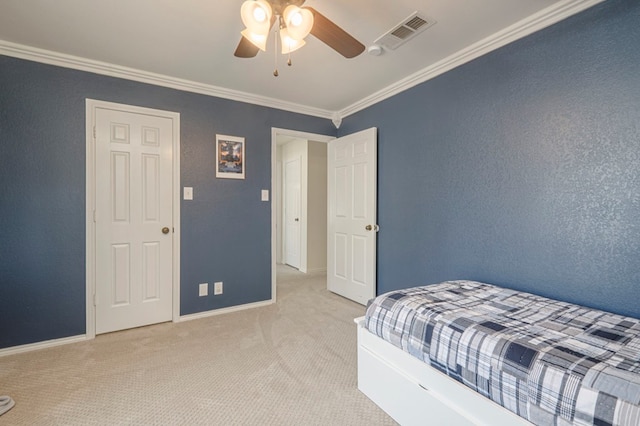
42, 196
521, 168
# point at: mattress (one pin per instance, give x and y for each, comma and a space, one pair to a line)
550, 362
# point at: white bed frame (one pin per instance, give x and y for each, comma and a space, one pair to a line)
414, 393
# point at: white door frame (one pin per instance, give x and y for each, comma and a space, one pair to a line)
91, 106
275, 133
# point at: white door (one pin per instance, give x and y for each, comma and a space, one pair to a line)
352, 189
134, 223
292, 190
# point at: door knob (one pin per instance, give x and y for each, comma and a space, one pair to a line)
372, 228
296, 219
165, 230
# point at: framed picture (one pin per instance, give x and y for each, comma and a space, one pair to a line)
229, 157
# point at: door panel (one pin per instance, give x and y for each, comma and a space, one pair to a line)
151, 271
150, 188
341, 192
352, 171
120, 186
359, 257
340, 260
134, 258
360, 175
121, 275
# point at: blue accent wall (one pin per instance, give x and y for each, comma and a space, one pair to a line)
226, 229
520, 168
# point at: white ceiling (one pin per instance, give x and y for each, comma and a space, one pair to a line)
190, 44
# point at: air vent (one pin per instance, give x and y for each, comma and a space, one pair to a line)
405, 31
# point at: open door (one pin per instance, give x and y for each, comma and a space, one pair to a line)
351, 240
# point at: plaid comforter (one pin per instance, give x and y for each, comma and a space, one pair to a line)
551, 362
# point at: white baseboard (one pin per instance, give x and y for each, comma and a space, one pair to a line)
222, 311
13, 350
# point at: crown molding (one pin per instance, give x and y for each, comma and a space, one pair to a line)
103, 68
523, 28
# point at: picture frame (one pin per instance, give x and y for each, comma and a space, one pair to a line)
230, 157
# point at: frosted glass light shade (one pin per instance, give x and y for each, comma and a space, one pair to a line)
298, 21
289, 44
258, 40
256, 16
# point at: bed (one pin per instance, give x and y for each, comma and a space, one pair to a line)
471, 353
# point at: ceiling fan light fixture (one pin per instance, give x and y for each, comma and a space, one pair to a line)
294, 23
298, 21
256, 15
258, 40
289, 44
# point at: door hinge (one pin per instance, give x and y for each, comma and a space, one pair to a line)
94, 132
94, 216
94, 300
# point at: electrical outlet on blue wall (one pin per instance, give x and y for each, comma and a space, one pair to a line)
217, 288
203, 289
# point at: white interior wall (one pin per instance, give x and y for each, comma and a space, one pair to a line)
317, 207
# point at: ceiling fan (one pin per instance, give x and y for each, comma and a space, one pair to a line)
294, 24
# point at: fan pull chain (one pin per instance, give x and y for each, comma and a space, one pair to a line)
275, 57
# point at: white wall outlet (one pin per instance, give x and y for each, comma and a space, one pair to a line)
264, 195
203, 289
217, 287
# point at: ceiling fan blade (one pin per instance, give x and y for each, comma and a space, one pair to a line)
334, 36
246, 49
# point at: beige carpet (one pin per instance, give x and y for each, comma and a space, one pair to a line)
292, 363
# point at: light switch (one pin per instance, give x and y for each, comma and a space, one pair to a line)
265, 195
188, 193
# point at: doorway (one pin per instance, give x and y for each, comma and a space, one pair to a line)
349, 210
302, 243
